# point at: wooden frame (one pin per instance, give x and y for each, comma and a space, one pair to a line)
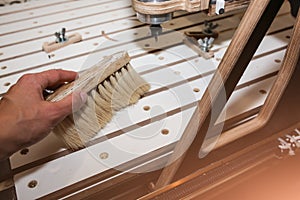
251, 31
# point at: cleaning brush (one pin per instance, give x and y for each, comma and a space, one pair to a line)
111, 84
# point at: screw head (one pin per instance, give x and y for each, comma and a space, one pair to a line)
221, 11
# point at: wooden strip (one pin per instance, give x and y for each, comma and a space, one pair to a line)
36, 44
47, 11
7, 190
81, 48
28, 36
17, 38
73, 25
62, 18
112, 49
29, 6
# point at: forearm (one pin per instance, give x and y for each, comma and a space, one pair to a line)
8, 141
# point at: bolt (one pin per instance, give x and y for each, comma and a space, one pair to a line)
57, 35
206, 43
63, 35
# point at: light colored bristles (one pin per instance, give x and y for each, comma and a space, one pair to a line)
119, 97
106, 91
124, 87
128, 85
67, 132
102, 108
142, 85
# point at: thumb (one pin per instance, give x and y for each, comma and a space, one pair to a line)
78, 100
71, 103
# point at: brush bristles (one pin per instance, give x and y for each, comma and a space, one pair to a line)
124, 87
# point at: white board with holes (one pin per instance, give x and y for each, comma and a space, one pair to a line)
178, 78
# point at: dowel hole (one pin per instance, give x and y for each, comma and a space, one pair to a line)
4, 67
263, 91
32, 184
103, 155
146, 108
165, 131
196, 90
147, 45
51, 55
24, 151
7, 84
277, 60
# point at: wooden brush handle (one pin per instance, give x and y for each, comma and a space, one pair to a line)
91, 77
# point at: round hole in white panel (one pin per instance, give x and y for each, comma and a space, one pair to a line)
146, 108
196, 90
103, 155
277, 60
165, 131
263, 91
32, 184
24, 151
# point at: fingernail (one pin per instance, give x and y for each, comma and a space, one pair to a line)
83, 97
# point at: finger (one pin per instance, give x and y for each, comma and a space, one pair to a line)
68, 105
55, 77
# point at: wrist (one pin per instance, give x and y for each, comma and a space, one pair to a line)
8, 142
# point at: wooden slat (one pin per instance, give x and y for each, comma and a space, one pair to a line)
54, 8
58, 61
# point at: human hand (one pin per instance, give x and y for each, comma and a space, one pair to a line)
25, 116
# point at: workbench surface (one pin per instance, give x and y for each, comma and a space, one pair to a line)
178, 78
